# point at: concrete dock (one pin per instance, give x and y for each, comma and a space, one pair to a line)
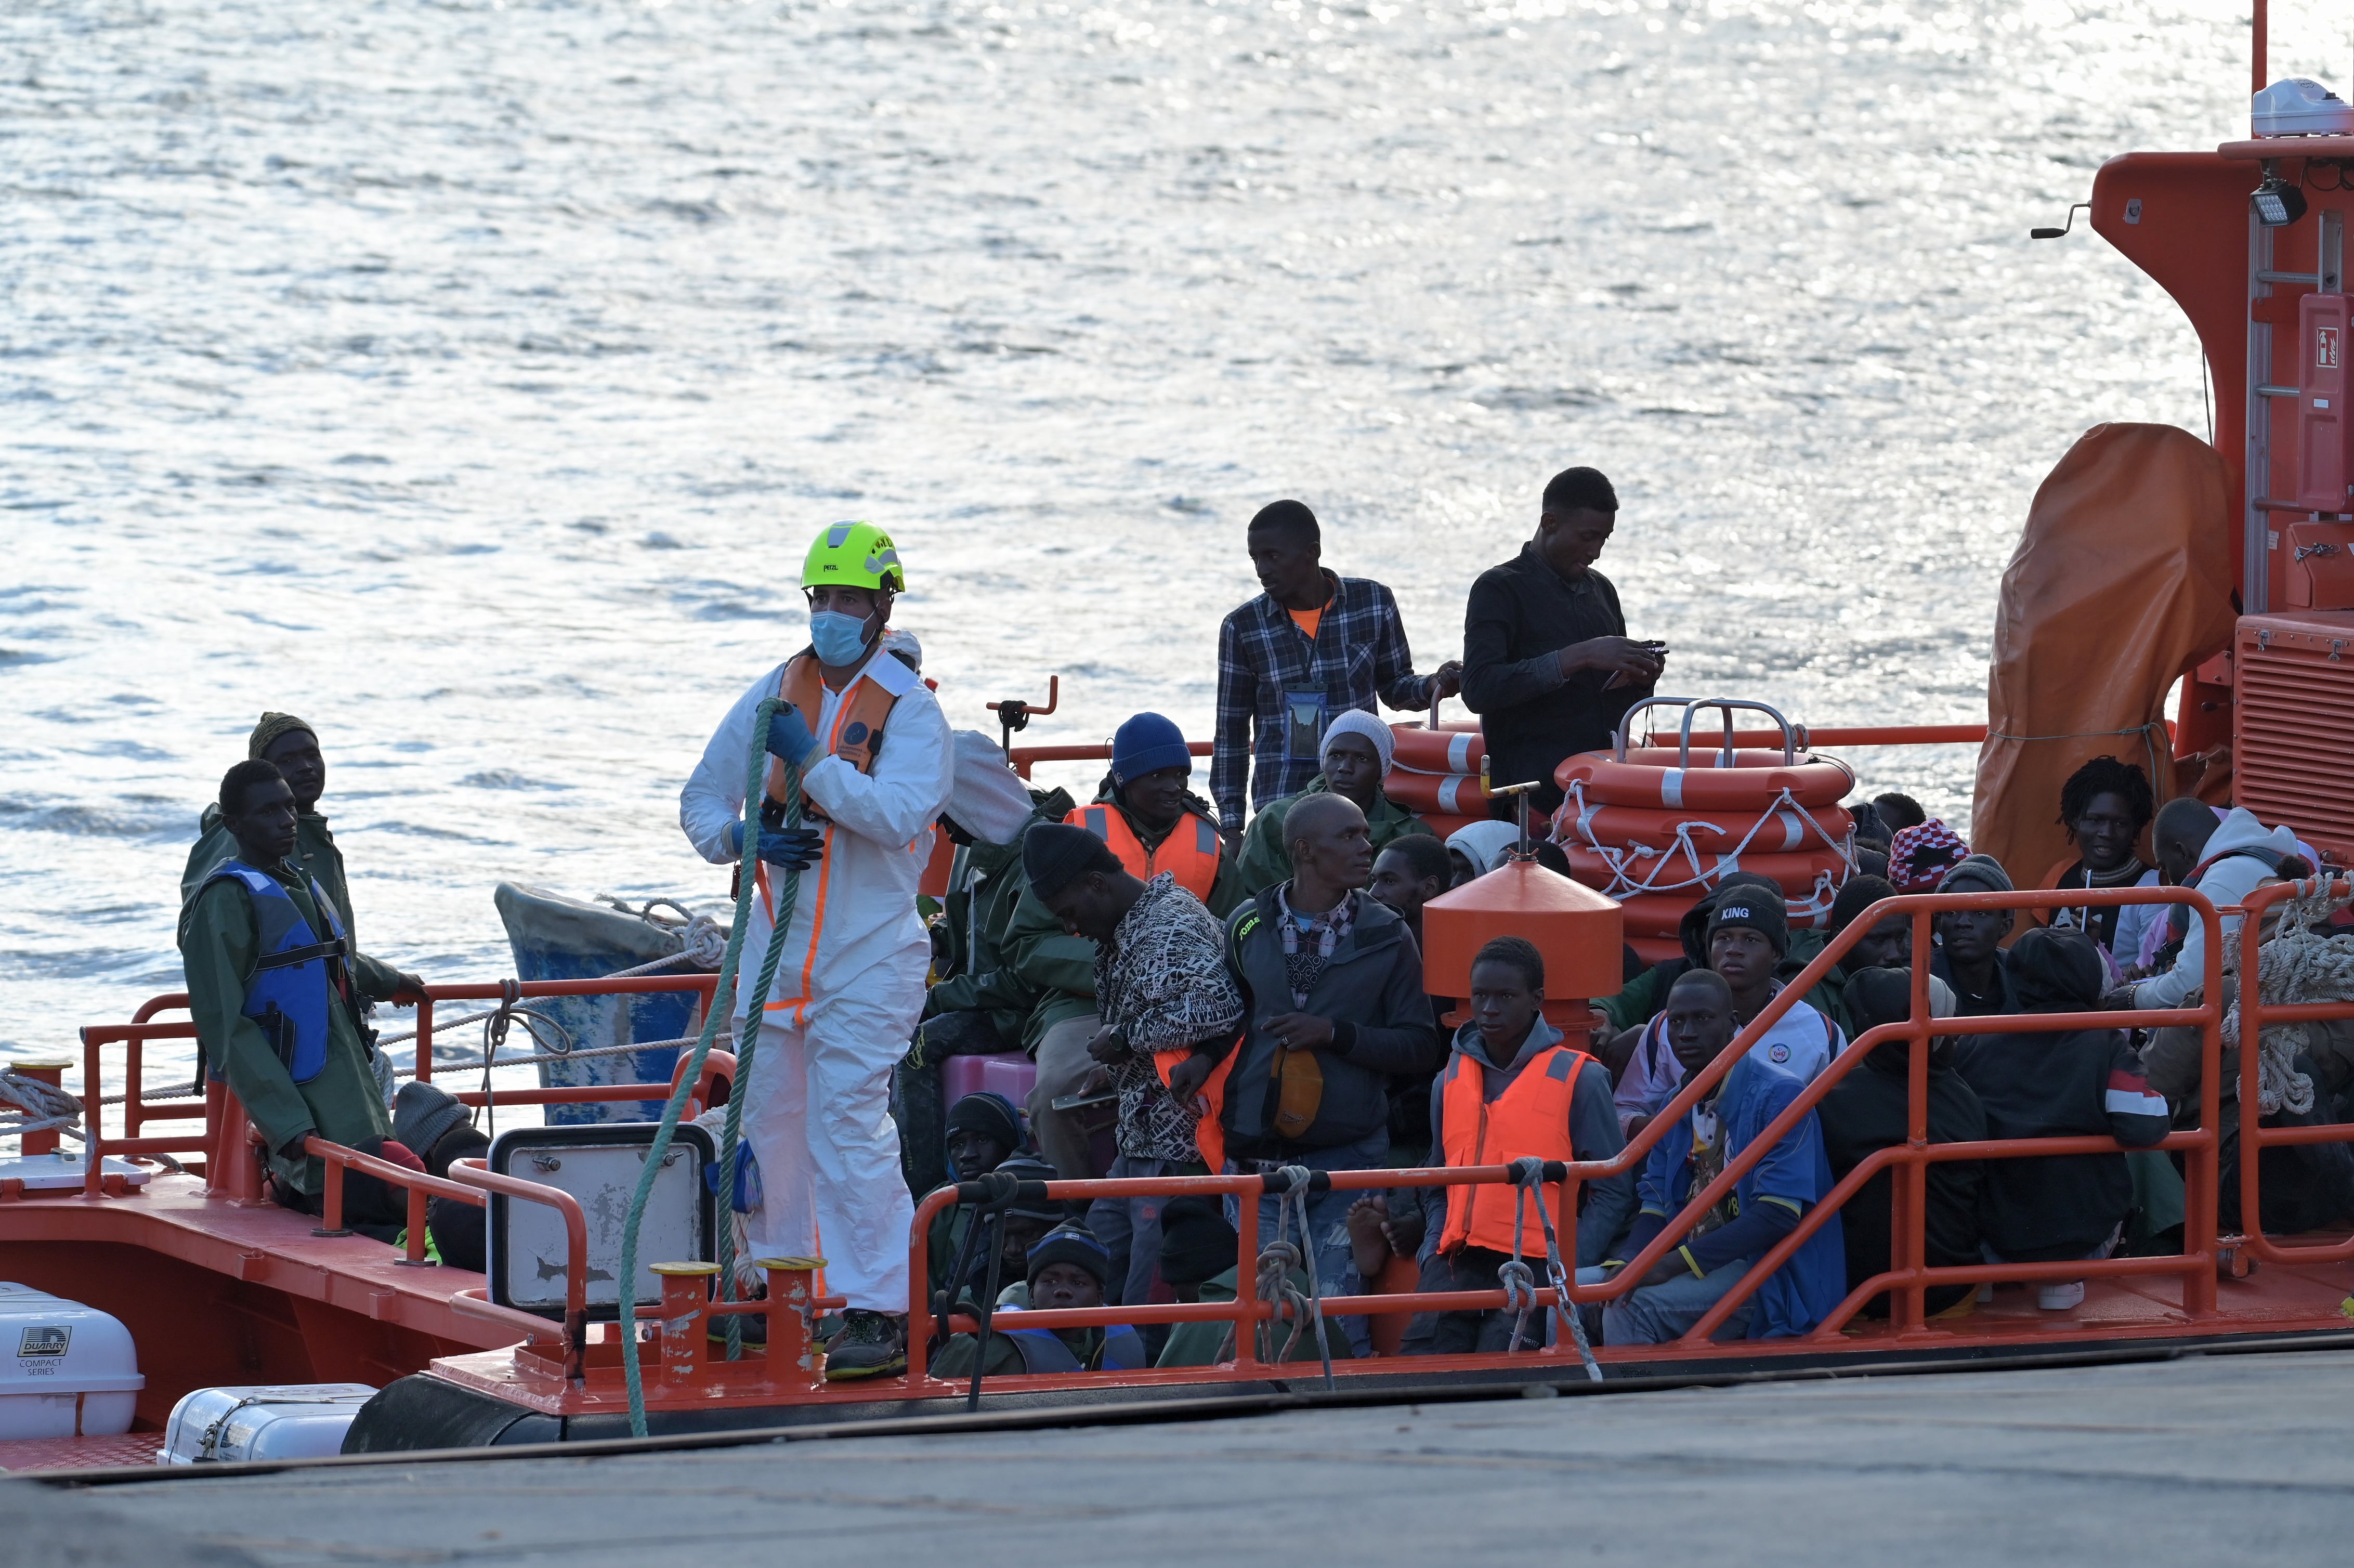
2208, 1459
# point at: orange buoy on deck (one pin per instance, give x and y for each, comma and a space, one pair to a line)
1577, 929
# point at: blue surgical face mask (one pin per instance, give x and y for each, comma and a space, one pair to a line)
839, 639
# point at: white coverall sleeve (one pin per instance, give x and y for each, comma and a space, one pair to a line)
909, 786
712, 800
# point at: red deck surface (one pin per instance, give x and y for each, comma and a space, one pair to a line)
218, 1293
132, 1448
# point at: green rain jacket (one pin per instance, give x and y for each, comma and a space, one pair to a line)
1267, 859
978, 915
316, 855
219, 943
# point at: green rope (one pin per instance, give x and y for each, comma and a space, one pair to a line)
745, 890
731, 1149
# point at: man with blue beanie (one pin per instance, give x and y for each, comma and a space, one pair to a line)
1147, 811
1148, 816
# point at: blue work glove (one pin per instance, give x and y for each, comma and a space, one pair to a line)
797, 849
789, 737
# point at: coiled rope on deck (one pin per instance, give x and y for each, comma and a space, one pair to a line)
2297, 964
37, 1106
787, 890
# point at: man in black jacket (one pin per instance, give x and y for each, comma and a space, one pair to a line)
1332, 982
1547, 664
2074, 1083
1867, 1112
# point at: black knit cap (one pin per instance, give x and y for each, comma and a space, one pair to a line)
1056, 855
990, 1114
1860, 895
2055, 971
1196, 1244
1758, 908
1072, 1243
1879, 996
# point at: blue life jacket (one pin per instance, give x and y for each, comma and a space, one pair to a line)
1042, 1351
292, 987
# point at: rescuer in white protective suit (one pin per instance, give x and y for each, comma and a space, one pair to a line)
877, 761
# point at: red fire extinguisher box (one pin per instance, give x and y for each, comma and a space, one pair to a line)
2322, 350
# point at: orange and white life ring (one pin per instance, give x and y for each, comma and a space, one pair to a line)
1441, 794
1651, 778
1658, 915
1597, 826
1456, 746
1663, 913
1655, 949
1677, 871
1447, 827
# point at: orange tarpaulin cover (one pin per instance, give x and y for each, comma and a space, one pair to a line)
2121, 582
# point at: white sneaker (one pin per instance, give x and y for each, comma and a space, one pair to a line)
2060, 1298
1986, 1293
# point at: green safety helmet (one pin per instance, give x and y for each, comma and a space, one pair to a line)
858, 555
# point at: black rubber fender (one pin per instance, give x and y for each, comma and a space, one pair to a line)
422, 1410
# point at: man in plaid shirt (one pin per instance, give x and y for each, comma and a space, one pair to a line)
1314, 645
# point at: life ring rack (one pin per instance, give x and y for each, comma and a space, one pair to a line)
1634, 815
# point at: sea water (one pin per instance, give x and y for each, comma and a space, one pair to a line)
468, 379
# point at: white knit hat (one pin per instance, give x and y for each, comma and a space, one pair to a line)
1356, 721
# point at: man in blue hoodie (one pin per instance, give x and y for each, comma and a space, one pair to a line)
1766, 1203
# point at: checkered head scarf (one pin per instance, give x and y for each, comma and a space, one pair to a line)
1918, 858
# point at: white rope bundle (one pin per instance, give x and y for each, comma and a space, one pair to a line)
1709, 867
37, 1106
2297, 965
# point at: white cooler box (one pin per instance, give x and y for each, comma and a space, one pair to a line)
66, 1369
282, 1421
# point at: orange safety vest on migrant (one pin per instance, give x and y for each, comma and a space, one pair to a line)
1530, 1117
1210, 1132
1193, 856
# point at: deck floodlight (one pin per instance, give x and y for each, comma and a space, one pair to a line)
2278, 204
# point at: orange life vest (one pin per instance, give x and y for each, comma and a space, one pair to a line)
1210, 1132
1530, 1117
1193, 856
855, 734
857, 723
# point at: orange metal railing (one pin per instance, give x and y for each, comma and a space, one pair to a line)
1808, 738
233, 1149
1025, 757
2255, 1138
1907, 1282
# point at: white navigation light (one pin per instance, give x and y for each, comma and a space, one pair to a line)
2296, 106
